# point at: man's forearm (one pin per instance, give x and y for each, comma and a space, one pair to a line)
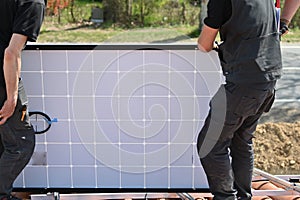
207, 38
289, 9
12, 65
11, 73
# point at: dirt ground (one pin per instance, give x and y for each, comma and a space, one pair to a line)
276, 147
277, 139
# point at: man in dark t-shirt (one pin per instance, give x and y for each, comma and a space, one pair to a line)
251, 63
20, 22
250, 57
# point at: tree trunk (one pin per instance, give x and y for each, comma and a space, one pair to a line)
72, 11
203, 13
183, 12
129, 11
111, 9
142, 12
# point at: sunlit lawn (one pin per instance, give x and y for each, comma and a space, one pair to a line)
88, 33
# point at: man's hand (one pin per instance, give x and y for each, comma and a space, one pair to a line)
7, 110
283, 26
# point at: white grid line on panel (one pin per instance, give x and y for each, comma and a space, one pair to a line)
124, 96
119, 131
169, 125
126, 120
112, 71
114, 166
144, 118
121, 96
44, 107
113, 143
69, 117
95, 122
194, 115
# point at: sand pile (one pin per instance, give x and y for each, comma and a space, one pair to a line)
277, 147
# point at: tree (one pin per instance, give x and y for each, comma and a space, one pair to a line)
54, 7
203, 13
113, 11
129, 13
142, 11
72, 11
129, 10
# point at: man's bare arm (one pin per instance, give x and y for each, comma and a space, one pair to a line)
12, 68
207, 38
289, 9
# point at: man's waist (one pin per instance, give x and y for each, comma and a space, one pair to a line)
242, 77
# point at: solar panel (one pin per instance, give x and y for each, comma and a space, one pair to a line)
127, 116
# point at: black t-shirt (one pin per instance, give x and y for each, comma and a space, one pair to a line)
218, 12
19, 16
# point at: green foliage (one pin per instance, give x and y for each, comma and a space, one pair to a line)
70, 11
295, 23
130, 13
133, 13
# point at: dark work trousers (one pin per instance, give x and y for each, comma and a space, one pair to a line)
225, 141
17, 141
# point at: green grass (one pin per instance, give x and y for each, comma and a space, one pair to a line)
82, 35
88, 33
85, 32
292, 37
